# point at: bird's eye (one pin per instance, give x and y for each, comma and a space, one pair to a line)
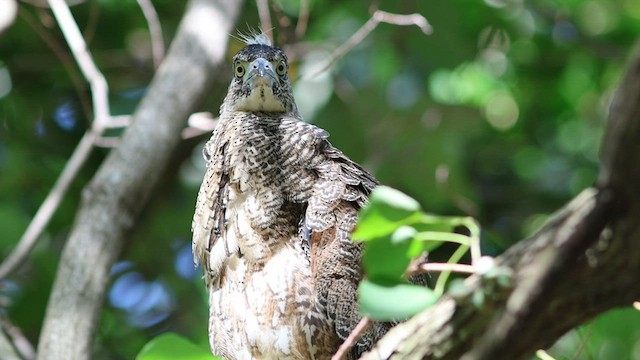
281, 68
239, 70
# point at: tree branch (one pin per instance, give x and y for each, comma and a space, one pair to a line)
303, 19
155, 31
102, 116
49, 205
121, 187
586, 260
265, 18
13, 344
376, 19
99, 87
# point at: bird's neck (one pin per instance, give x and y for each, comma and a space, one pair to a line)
258, 116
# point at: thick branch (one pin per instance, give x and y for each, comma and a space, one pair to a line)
123, 184
586, 260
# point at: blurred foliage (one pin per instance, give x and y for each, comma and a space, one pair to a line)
498, 115
169, 346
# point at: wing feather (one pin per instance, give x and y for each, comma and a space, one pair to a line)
341, 189
209, 217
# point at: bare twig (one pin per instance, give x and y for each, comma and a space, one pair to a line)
19, 342
119, 121
107, 142
303, 19
102, 117
199, 123
378, 17
155, 31
49, 206
265, 17
543, 355
99, 87
348, 343
404, 20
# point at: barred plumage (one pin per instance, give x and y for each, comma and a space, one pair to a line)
273, 223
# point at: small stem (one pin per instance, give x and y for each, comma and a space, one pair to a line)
459, 268
444, 276
443, 236
474, 230
350, 341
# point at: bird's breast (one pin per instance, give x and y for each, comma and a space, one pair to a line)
263, 312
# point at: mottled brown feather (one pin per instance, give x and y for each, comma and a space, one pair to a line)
272, 229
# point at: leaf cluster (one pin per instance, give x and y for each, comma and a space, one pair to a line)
397, 234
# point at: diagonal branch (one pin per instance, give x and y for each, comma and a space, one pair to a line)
13, 343
49, 205
99, 94
114, 198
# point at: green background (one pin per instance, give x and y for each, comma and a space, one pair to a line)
498, 115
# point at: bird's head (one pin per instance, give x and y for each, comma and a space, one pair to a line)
260, 81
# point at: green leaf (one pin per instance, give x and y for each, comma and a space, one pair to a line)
388, 257
387, 210
171, 346
393, 301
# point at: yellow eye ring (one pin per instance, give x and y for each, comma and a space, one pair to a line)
238, 69
281, 68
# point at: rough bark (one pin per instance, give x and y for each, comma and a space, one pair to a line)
586, 260
121, 187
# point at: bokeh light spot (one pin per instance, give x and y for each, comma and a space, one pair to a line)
313, 92
564, 32
184, 263
501, 110
467, 84
598, 17
65, 116
632, 8
494, 61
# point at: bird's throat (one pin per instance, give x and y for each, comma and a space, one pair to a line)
261, 99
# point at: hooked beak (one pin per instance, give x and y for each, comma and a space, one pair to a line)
260, 73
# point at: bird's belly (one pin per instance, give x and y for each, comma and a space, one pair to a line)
264, 313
